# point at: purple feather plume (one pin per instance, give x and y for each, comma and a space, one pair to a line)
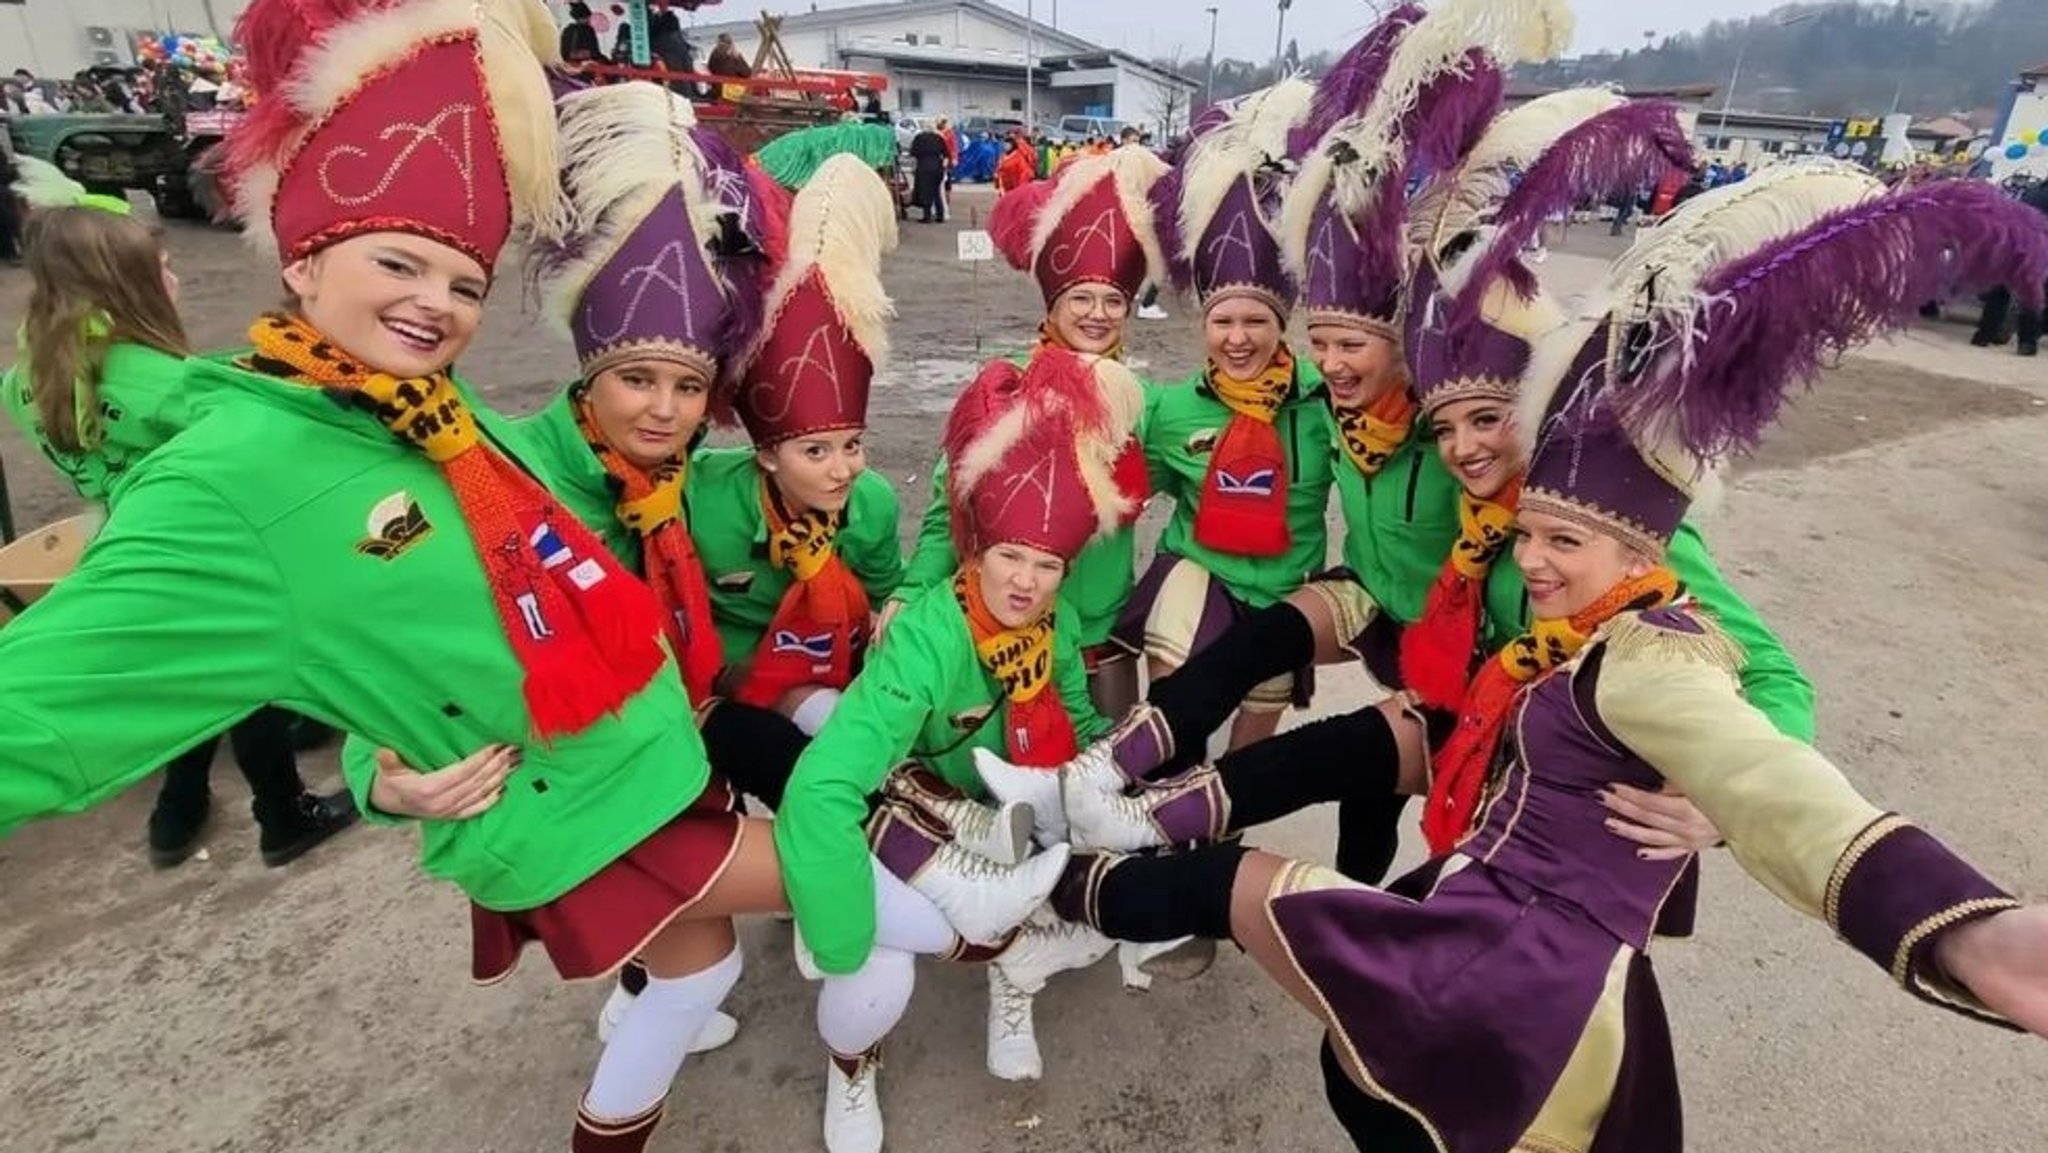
1354, 80
1451, 113
1774, 318
1619, 150
1165, 197
748, 275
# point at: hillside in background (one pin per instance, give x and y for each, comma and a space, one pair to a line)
1819, 59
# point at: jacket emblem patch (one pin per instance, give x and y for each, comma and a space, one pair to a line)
395, 525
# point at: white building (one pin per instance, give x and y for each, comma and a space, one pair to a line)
56, 38
963, 58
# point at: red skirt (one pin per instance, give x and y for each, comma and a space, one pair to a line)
602, 923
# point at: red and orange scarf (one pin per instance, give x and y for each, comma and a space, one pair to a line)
651, 504
1243, 506
1437, 650
1037, 732
1459, 771
582, 628
820, 627
1372, 434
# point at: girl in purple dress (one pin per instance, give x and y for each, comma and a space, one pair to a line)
1516, 958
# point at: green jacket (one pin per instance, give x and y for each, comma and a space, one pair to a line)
723, 494
1399, 525
1183, 421
923, 696
287, 549
1097, 584
550, 443
144, 400
1771, 679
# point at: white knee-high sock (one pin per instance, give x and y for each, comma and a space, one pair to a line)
906, 919
648, 1045
810, 716
856, 1011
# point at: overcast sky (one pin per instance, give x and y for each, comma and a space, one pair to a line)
1245, 28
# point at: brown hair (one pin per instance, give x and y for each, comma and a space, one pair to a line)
98, 281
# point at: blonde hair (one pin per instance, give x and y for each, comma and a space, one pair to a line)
97, 281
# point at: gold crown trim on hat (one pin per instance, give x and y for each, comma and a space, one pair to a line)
611, 356
1500, 388
1244, 290
1593, 518
1376, 325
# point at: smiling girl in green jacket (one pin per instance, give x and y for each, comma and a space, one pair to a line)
341, 536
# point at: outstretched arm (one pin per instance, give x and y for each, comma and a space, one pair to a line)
1793, 822
176, 625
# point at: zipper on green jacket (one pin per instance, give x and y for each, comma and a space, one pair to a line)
1414, 478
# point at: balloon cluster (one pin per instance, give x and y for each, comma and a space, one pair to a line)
2019, 149
202, 54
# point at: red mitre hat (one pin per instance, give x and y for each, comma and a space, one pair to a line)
1032, 453
432, 117
827, 311
1090, 224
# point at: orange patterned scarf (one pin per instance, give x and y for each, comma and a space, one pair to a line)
1373, 434
1243, 507
1461, 767
651, 504
1038, 731
820, 628
1438, 649
583, 629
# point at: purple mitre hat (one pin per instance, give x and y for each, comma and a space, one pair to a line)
1707, 323
666, 255
1220, 203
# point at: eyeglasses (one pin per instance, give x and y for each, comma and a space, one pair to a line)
1110, 304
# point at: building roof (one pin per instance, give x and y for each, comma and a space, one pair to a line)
1946, 127
2040, 69
829, 17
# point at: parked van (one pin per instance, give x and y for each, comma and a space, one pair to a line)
1077, 129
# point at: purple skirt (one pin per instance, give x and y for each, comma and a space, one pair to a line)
1484, 1002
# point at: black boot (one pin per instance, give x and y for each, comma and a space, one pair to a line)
1368, 836
1373, 1125
1352, 758
1198, 697
755, 748
289, 831
184, 807
1152, 897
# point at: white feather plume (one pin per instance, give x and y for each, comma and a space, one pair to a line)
41, 184
1254, 135
842, 222
623, 147
1465, 197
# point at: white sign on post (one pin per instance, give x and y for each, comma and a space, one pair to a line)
975, 244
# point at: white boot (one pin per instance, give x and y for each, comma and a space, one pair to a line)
1002, 833
1037, 788
717, 1033
1101, 817
983, 900
1012, 1036
1047, 945
853, 1111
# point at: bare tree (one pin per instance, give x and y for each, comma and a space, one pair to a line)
1169, 107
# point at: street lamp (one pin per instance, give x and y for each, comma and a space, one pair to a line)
1209, 84
1280, 37
1735, 76
1030, 18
